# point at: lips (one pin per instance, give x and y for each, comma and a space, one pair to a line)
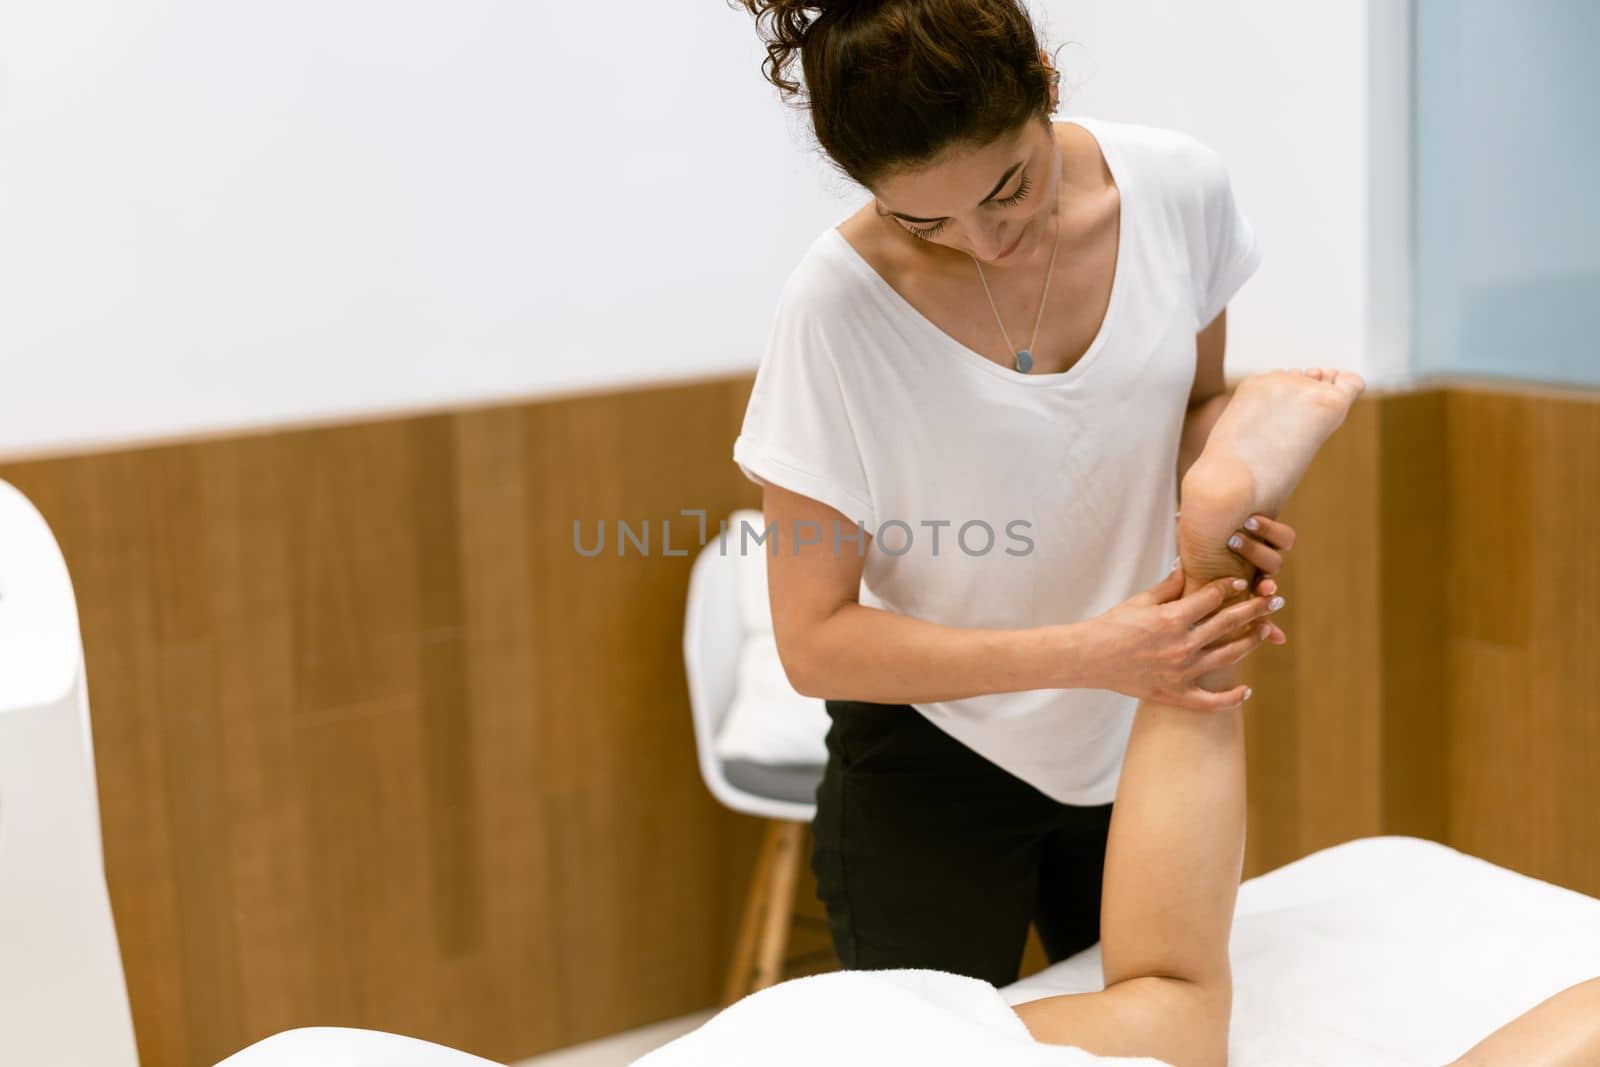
1014, 244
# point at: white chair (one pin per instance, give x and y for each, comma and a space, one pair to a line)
713, 636
62, 995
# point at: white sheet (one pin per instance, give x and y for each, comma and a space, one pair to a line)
338, 1046
876, 1018
1384, 951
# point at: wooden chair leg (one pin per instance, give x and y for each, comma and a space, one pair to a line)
780, 905
750, 925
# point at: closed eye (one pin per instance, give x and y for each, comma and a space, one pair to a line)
1017, 197
1022, 191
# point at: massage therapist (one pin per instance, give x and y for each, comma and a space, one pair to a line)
1021, 330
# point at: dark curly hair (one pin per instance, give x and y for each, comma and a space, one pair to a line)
893, 84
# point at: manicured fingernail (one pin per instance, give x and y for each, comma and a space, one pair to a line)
1247, 694
1238, 583
1251, 523
1275, 603
1235, 541
1175, 561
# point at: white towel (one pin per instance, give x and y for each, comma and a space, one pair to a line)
871, 1019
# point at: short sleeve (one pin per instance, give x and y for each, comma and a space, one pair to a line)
1231, 251
797, 430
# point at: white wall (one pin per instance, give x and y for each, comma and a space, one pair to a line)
226, 213
1308, 104
218, 214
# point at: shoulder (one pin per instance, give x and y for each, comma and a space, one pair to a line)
819, 293
826, 280
1172, 161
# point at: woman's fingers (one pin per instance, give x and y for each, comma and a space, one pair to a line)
1277, 534
1207, 599
1234, 651
1265, 557
1267, 586
1226, 621
1197, 699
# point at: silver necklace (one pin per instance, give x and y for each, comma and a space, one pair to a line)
1024, 357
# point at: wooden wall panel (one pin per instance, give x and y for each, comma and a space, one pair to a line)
1524, 629
1339, 770
1444, 682
377, 747
1563, 587
1313, 728
1412, 607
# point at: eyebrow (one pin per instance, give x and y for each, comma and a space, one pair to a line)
1001, 184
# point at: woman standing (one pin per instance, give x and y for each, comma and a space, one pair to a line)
977, 400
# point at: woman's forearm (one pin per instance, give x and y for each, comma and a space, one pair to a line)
882, 657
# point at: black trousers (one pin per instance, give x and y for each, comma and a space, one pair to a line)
928, 855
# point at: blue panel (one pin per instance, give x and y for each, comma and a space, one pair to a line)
1507, 189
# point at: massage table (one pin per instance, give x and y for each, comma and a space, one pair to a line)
1382, 952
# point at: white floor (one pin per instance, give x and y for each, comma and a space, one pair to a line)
619, 1050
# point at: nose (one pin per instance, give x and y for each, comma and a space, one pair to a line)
992, 245
995, 243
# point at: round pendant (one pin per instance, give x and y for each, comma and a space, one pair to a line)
1024, 361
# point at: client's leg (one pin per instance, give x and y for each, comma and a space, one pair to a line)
1177, 830
1257, 451
1563, 1031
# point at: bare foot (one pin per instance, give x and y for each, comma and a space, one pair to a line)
1254, 458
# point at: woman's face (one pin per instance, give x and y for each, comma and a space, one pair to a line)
992, 202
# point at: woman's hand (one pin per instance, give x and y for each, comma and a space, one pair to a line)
1264, 542
1263, 545
1155, 644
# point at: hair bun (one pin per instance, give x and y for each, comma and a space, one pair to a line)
782, 24
896, 83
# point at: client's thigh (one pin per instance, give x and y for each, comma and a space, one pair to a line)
926, 854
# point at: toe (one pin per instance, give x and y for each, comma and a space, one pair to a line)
1350, 382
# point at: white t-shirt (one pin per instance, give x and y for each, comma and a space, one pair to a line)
862, 403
